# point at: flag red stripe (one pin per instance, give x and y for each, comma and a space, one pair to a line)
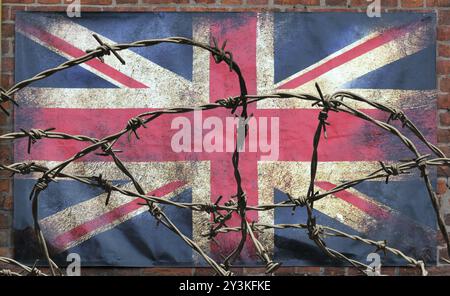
366, 206
347, 56
75, 52
349, 138
76, 233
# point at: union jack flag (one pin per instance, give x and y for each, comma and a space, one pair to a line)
389, 59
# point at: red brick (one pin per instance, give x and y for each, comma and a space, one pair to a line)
352, 271
173, 8
444, 101
254, 271
365, 3
4, 119
443, 67
5, 185
6, 252
237, 270
411, 3
443, 33
443, 253
308, 270
385, 270
122, 271
444, 50
157, 271
50, 1
18, 1
189, 8
164, 1
203, 271
334, 271
444, 17
5, 219
447, 219
444, 118
6, 202
257, 2
108, 271
256, 9
6, 47
5, 154
445, 148
438, 3
441, 187
8, 107
4, 129
7, 30
297, 2
439, 237
301, 8
231, 2
126, 1
96, 271
63, 8
7, 81
443, 135
409, 271
5, 237
14, 9
285, 270
139, 8
331, 9
439, 270
389, 270
7, 64
443, 3
336, 2
410, 10
207, 271
95, 2
5, 13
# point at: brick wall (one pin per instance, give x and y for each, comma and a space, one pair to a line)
441, 7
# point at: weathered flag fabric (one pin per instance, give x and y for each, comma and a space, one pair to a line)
390, 59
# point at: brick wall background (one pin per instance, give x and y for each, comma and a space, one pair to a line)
441, 7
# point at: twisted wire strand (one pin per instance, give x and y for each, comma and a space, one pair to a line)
23, 268
238, 203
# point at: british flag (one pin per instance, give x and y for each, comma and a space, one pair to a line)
390, 59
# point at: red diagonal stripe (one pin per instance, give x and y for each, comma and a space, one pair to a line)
74, 234
366, 206
75, 52
349, 55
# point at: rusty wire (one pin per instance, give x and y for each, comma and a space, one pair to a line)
237, 203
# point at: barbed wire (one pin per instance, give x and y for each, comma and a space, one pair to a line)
24, 270
222, 212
